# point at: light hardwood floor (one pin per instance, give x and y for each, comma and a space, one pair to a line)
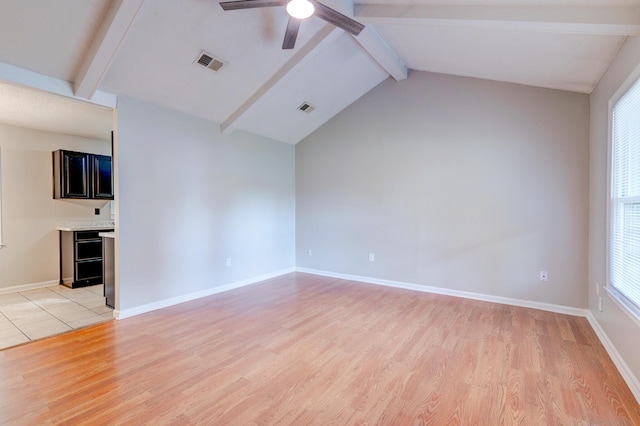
307, 350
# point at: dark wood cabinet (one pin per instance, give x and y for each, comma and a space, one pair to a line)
73, 170
102, 177
81, 258
81, 175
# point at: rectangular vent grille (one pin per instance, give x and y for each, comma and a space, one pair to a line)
306, 107
206, 60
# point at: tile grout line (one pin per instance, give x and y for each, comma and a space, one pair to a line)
15, 326
77, 303
41, 308
33, 303
44, 309
54, 315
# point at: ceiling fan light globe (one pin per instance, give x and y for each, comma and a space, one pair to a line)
300, 9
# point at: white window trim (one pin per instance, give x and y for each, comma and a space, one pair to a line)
620, 300
625, 306
1, 243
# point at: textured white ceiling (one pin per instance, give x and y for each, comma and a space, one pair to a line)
343, 67
49, 37
147, 51
155, 64
573, 62
26, 107
506, 2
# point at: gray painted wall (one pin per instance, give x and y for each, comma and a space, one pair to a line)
190, 197
451, 182
621, 329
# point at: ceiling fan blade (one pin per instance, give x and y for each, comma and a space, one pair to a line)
291, 33
250, 4
338, 19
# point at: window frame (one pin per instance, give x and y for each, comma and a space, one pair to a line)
621, 300
1, 241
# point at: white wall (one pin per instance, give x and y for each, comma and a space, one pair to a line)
190, 197
29, 212
451, 182
621, 330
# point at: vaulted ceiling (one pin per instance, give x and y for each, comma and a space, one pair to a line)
147, 49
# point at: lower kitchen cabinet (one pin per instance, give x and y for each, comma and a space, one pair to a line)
81, 261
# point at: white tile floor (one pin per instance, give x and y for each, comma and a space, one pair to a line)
34, 314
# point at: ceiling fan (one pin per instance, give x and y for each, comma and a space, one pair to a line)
299, 10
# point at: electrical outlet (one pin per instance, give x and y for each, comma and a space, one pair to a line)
228, 261
544, 276
96, 211
309, 252
372, 257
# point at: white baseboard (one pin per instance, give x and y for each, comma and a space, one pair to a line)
621, 365
25, 287
456, 293
626, 373
126, 313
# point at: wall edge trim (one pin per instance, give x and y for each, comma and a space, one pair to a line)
560, 309
25, 287
623, 368
165, 303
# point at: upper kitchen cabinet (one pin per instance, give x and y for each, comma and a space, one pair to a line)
81, 175
102, 181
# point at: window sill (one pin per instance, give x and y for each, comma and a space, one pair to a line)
627, 307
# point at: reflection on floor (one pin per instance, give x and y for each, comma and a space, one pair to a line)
34, 314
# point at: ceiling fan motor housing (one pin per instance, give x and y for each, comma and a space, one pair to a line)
307, 9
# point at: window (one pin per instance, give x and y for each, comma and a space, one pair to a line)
1, 244
625, 198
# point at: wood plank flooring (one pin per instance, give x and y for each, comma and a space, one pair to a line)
308, 350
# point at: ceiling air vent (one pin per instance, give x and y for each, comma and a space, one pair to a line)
306, 107
206, 60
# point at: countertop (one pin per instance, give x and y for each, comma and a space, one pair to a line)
107, 234
85, 225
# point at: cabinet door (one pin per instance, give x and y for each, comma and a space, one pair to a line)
89, 249
88, 272
102, 177
75, 175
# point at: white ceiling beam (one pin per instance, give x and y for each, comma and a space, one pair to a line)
108, 39
371, 41
327, 35
23, 77
380, 51
597, 20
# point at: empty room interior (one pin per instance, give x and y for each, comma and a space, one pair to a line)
381, 212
